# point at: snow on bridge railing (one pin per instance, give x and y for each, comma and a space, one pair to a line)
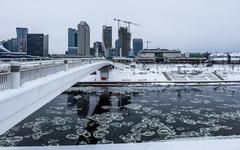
29, 71
5, 81
39, 72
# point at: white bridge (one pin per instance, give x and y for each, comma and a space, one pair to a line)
27, 86
30, 85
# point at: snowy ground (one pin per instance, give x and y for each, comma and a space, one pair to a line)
170, 72
200, 144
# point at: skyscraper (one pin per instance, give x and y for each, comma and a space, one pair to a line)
125, 41
107, 37
83, 39
72, 41
117, 44
22, 39
137, 46
37, 45
98, 47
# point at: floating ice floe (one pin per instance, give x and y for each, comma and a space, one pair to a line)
27, 136
104, 141
116, 125
128, 124
83, 143
82, 122
86, 134
70, 112
61, 120
80, 131
166, 133
52, 141
15, 129
57, 107
117, 116
170, 119
148, 133
100, 134
64, 128
131, 137
139, 112
103, 126
10, 141
38, 135
180, 128
42, 120
105, 107
134, 106
77, 97
72, 136
189, 121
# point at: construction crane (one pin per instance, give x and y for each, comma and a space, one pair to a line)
148, 42
118, 20
127, 22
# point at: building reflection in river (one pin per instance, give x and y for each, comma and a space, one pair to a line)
97, 104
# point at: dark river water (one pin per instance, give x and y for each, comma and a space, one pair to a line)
104, 115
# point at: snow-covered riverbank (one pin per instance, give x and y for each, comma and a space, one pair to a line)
169, 72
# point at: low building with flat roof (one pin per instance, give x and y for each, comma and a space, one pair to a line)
157, 55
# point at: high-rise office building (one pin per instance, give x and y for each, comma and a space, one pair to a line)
37, 45
98, 46
112, 52
22, 39
92, 51
117, 45
125, 41
83, 39
107, 37
72, 41
11, 45
45, 45
137, 46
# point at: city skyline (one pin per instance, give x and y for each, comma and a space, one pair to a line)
188, 25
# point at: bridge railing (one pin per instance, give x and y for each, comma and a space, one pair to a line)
33, 70
73, 64
39, 72
5, 81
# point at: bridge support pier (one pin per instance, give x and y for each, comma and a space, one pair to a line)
104, 73
15, 76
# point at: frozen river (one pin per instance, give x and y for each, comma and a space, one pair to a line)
102, 115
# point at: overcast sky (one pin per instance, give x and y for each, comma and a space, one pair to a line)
190, 25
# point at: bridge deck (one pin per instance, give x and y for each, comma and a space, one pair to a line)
20, 103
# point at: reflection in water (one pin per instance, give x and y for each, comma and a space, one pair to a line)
123, 101
82, 104
104, 100
93, 115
